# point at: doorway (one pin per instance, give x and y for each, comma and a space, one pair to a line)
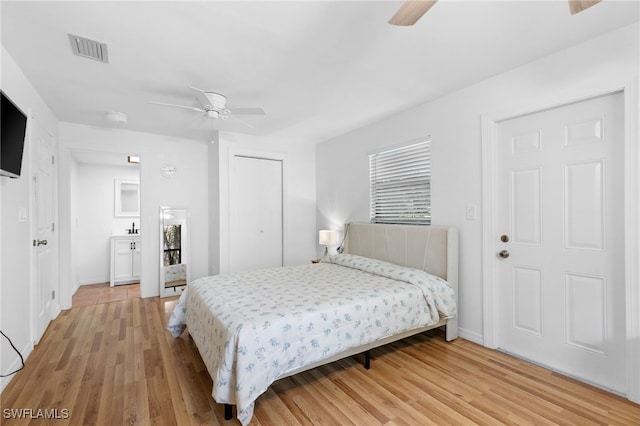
96, 215
583, 287
561, 219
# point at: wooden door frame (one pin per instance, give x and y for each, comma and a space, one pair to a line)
631, 228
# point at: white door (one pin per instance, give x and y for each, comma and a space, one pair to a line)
42, 166
560, 198
256, 214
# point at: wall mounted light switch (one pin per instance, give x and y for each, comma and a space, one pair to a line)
471, 212
22, 214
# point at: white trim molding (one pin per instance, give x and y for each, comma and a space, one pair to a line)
489, 274
632, 235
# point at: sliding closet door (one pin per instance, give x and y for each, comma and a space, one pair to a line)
256, 213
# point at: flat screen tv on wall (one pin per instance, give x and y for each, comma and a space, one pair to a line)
13, 127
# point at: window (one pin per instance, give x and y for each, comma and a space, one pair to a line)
401, 185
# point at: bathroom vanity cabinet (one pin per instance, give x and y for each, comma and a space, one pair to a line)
125, 259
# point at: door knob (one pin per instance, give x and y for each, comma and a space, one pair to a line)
503, 254
42, 243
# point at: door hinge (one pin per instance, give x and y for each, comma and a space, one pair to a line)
53, 294
53, 159
53, 227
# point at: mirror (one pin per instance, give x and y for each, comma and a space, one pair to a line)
174, 250
127, 197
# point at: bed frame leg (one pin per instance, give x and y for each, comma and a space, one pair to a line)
367, 360
227, 412
451, 329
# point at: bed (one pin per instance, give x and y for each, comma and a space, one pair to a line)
253, 328
175, 275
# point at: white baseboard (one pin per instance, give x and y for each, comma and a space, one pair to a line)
26, 351
86, 282
470, 335
56, 311
93, 281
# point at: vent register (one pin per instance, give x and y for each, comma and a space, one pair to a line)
89, 48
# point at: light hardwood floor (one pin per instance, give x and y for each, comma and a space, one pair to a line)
115, 364
103, 293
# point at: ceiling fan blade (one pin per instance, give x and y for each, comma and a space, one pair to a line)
197, 90
247, 111
177, 106
411, 11
232, 117
202, 96
577, 6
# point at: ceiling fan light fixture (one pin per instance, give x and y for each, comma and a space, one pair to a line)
218, 102
213, 106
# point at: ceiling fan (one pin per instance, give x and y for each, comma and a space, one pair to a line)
214, 105
412, 10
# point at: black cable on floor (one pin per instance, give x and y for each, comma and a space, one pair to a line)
19, 354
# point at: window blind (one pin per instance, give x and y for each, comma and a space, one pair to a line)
401, 185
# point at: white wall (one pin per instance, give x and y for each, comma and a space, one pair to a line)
15, 236
454, 123
187, 189
94, 217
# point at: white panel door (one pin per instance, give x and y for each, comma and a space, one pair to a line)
42, 166
561, 239
256, 214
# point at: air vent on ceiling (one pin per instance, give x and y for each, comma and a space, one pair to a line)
88, 48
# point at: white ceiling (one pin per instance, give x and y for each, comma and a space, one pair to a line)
318, 69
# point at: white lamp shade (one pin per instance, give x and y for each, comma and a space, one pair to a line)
328, 237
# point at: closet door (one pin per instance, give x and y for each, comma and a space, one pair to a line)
256, 214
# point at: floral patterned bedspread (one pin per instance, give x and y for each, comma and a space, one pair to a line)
253, 327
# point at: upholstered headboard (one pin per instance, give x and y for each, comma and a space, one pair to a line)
431, 248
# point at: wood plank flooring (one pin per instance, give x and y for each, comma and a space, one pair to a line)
115, 364
103, 293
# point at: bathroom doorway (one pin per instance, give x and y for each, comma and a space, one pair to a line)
97, 216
